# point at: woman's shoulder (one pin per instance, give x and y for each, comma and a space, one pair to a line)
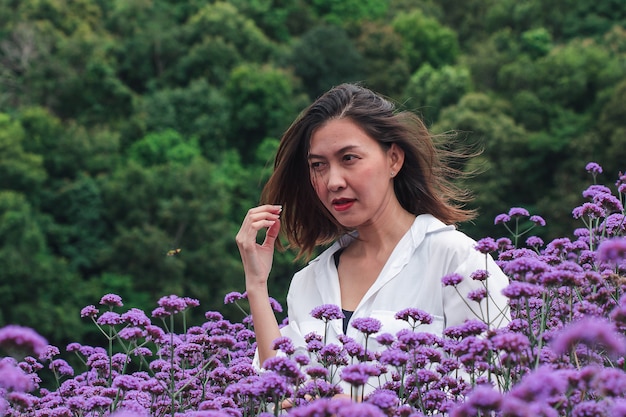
443, 235
312, 267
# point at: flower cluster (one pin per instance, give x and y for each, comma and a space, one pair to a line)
561, 353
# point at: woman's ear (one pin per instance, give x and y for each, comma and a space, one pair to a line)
396, 158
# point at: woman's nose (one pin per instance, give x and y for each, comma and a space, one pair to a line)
335, 180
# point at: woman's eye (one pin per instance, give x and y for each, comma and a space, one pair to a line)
316, 165
349, 158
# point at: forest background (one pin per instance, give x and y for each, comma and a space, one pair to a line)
131, 128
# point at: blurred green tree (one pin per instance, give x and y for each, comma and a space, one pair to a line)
325, 56
386, 66
163, 147
348, 11
433, 89
263, 100
483, 123
33, 283
219, 38
198, 110
426, 40
20, 170
147, 40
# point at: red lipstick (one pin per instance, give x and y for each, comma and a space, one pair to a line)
342, 204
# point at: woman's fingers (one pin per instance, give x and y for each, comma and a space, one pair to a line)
272, 234
258, 218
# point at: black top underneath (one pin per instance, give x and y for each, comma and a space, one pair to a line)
346, 319
346, 313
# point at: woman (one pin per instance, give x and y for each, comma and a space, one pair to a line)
354, 171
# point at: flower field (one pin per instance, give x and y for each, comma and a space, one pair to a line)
560, 351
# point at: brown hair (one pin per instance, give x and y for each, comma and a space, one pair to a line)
423, 184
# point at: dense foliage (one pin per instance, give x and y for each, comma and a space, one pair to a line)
131, 128
557, 349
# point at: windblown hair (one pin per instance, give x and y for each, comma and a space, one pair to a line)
423, 184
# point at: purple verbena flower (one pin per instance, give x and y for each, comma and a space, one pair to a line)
131, 333
486, 245
109, 318
327, 312
172, 304
452, 279
141, 351
609, 203
612, 250
589, 408
385, 339
338, 408
367, 325
332, 354
22, 339
354, 349
191, 302
518, 212
394, 357
311, 337
231, 297
525, 268
591, 332
591, 210
615, 224
539, 386
502, 218
317, 372
484, 398
213, 316
512, 342
610, 382
13, 378
160, 313
283, 366
534, 242
477, 295
618, 314
126, 413
358, 374
89, 311
49, 352
112, 300
480, 275
302, 359
284, 344
468, 328
538, 220
594, 190
414, 316
593, 168
155, 333
618, 408
386, 400
135, 317
276, 305
504, 243
61, 367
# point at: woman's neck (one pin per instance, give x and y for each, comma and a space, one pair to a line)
382, 236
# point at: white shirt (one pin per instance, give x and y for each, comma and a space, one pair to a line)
411, 277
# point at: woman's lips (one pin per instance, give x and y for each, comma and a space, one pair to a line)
342, 204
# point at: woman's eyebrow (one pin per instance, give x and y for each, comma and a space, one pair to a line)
338, 152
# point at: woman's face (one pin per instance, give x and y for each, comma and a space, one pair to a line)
351, 173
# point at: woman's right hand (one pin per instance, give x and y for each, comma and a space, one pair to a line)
257, 258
